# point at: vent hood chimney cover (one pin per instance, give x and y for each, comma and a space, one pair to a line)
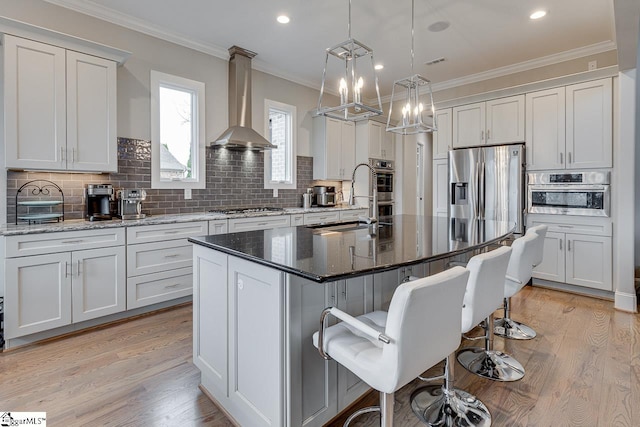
240, 135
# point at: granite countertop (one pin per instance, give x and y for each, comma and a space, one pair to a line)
324, 254
81, 224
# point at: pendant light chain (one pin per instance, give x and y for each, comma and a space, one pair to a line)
412, 19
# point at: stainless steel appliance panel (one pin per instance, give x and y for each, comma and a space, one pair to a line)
464, 175
575, 193
488, 183
502, 184
385, 179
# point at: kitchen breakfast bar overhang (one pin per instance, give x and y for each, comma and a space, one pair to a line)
258, 296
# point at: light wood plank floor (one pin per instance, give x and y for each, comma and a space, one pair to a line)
583, 369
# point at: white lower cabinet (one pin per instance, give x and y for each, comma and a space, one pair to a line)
253, 328
218, 226
65, 286
321, 217
159, 262
577, 254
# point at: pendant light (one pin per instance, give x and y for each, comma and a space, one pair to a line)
417, 117
349, 61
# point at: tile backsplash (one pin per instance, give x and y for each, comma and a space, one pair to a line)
234, 179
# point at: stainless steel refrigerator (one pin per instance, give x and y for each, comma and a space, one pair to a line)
488, 183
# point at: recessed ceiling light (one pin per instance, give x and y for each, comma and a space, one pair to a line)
283, 19
438, 26
379, 67
538, 14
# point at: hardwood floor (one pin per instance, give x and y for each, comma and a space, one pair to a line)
583, 369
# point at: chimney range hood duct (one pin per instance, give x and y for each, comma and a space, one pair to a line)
240, 135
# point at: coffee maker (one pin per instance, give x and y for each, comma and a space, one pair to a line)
130, 203
98, 198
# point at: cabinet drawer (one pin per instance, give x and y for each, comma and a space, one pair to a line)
320, 217
259, 223
297, 219
568, 224
353, 215
158, 287
148, 258
48, 243
162, 232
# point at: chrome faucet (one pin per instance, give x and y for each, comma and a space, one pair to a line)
373, 207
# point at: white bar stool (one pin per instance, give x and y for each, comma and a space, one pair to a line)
487, 362
507, 327
387, 350
444, 405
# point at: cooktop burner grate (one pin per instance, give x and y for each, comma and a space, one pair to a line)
257, 209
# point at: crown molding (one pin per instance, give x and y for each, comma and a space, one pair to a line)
521, 66
140, 26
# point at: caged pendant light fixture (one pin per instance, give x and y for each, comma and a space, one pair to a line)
416, 116
349, 61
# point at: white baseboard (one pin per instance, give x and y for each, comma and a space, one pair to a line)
626, 302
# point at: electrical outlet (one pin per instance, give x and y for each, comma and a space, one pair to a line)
187, 194
593, 65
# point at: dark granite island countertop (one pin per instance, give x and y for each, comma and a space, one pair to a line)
327, 253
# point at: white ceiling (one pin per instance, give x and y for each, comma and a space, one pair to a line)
485, 38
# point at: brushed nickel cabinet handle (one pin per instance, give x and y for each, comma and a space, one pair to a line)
488, 134
79, 263
71, 242
560, 244
172, 256
569, 157
172, 286
561, 159
568, 245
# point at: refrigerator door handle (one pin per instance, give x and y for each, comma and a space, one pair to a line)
482, 190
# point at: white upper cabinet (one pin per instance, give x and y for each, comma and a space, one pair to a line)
499, 121
570, 127
589, 125
442, 137
545, 139
374, 135
334, 148
91, 113
72, 99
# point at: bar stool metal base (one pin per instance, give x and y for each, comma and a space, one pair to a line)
460, 409
490, 364
511, 329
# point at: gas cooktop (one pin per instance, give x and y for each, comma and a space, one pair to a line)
252, 209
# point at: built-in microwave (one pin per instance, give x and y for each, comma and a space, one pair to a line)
570, 193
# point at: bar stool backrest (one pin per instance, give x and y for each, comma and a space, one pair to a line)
423, 323
522, 257
485, 288
541, 231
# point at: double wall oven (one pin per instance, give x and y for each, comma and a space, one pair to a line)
384, 185
570, 193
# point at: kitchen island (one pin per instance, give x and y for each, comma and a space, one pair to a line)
258, 296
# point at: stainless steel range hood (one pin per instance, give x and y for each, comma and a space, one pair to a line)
240, 135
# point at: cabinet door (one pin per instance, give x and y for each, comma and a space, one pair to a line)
333, 142
39, 289
256, 343
376, 135
348, 150
468, 125
91, 113
505, 120
589, 261
388, 145
545, 129
355, 296
440, 187
589, 125
313, 380
99, 283
442, 137
552, 266
34, 105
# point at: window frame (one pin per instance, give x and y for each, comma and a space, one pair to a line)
198, 165
291, 110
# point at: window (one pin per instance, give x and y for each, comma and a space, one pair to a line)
280, 163
177, 132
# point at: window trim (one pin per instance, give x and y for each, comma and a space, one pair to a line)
198, 127
291, 110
